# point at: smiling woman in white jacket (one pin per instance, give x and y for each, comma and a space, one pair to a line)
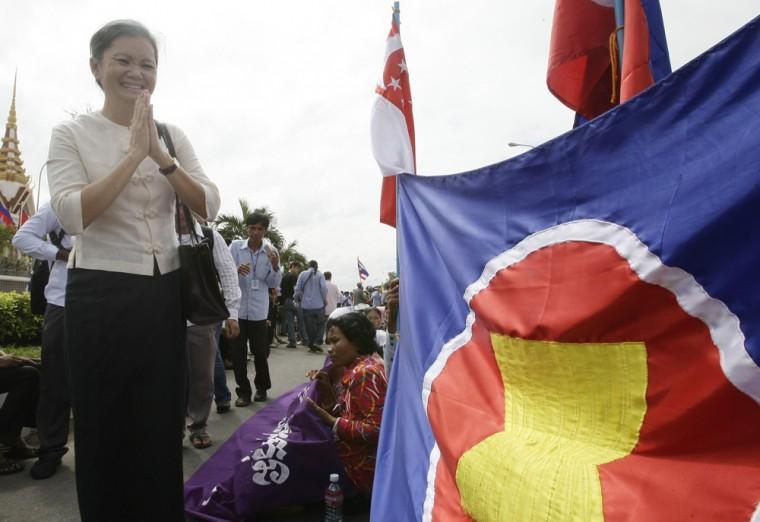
113, 186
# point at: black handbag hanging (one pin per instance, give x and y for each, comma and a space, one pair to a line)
202, 299
40, 277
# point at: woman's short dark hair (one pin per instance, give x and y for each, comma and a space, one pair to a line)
358, 330
257, 218
104, 37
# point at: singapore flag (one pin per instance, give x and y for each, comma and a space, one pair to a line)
392, 125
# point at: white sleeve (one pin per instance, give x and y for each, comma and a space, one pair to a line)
66, 179
29, 238
225, 267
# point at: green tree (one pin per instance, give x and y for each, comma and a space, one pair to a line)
290, 254
232, 227
11, 262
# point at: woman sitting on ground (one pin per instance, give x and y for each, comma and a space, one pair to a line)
352, 394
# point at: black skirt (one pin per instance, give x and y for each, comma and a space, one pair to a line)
125, 340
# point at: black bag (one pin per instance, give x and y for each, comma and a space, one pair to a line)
40, 278
202, 300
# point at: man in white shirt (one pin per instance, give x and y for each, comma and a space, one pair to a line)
202, 340
333, 297
54, 406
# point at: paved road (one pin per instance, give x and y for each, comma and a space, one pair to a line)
25, 500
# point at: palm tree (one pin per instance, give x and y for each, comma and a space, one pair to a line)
232, 227
290, 254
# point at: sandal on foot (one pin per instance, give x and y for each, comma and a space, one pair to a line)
200, 440
8, 467
21, 453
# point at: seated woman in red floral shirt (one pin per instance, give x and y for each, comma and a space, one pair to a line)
352, 395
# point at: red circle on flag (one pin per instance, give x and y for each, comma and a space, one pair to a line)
698, 452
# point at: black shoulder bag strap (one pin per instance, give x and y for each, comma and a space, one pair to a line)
163, 133
208, 236
56, 239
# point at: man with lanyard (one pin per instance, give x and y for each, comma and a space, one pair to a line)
54, 406
258, 268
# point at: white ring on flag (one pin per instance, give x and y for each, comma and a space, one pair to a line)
725, 331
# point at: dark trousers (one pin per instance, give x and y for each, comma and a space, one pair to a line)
22, 383
224, 348
221, 392
54, 407
302, 326
288, 313
125, 340
315, 324
272, 318
255, 334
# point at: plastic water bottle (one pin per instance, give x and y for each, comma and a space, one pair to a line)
334, 500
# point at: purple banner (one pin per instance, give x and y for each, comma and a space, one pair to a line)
281, 456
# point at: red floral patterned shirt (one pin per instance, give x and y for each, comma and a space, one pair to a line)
361, 395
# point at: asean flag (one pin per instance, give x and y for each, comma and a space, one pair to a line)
392, 124
580, 73
580, 325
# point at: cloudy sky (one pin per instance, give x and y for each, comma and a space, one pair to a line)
276, 96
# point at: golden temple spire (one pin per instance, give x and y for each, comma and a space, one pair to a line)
11, 165
15, 191
12, 114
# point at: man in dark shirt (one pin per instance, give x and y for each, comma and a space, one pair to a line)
286, 296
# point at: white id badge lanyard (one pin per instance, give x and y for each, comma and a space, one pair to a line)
254, 262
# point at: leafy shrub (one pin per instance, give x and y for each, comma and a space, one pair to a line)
30, 352
18, 326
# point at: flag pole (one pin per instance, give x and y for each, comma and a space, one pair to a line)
619, 23
397, 19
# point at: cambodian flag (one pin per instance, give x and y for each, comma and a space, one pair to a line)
580, 325
5, 217
363, 274
580, 74
392, 125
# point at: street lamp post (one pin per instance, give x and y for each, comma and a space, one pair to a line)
513, 144
39, 185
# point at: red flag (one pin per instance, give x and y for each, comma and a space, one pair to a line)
636, 74
580, 71
392, 124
